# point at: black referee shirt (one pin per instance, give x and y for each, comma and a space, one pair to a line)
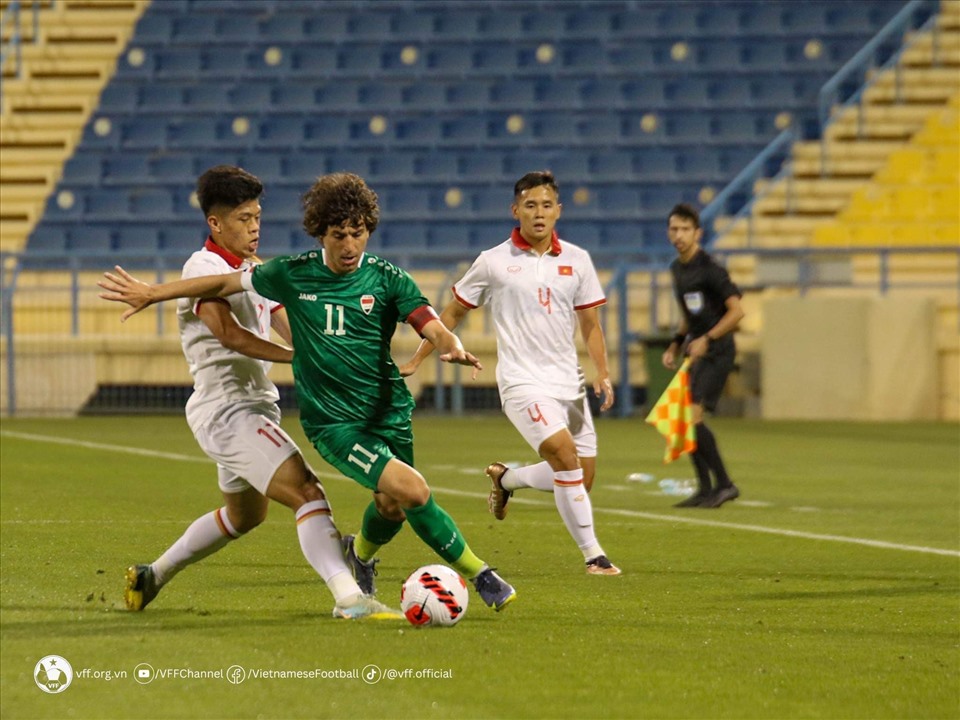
702, 287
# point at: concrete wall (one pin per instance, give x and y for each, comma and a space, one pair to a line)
850, 358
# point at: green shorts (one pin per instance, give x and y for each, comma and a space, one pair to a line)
362, 452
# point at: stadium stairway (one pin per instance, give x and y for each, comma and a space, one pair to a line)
46, 106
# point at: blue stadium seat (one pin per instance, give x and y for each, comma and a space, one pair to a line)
362, 60
610, 165
584, 57
153, 29
601, 129
308, 165
83, 169
108, 204
183, 238
593, 22
761, 20
699, 164
571, 166
546, 25
178, 62
395, 166
507, 24
624, 236
633, 58
329, 25
237, 28
193, 28
280, 132
467, 130
313, 61
469, 94
513, 92
138, 238
206, 97
718, 56
495, 59
295, 97
638, 22
730, 92
559, 94
645, 94
450, 60
413, 24
738, 127
458, 24
677, 20
618, 200
282, 203
438, 164
48, 237
404, 202
89, 237
585, 233
692, 128
370, 26
654, 164
282, 27
151, 204
688, 91
658, 200
557, 128
492, 202
197, 132
337, 96
448, 235
126, 168
250, 96
119, 96
403, 234
172, 167
268, 166
359, 163
143, 132
717, 21
601, 93
380, 96
482, 165
162, 97
425, 96
486, 234
804, 18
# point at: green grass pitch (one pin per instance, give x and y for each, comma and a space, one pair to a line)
830, 590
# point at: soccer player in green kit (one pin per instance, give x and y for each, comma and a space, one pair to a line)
344, 306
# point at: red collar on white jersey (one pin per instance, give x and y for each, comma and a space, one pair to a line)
232, 260
517, 239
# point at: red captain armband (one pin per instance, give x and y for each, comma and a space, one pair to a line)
420, 317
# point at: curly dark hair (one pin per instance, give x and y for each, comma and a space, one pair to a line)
338, 198
227, 186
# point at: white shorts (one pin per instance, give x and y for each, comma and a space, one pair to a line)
247, 444
538, 418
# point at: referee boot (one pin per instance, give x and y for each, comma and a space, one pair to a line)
722, 495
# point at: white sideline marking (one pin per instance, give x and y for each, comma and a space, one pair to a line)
524, 501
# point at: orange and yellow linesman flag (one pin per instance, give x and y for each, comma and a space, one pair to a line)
672, 416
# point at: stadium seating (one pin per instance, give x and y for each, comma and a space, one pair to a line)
640, 104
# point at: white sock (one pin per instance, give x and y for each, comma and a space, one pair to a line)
539, 476
320, 543
205, 536
573, 503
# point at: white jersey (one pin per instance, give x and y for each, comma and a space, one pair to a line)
221, 377
533, 299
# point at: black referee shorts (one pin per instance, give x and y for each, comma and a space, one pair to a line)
708, 376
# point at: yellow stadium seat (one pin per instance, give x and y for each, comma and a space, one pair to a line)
946, 234
945, 203
868, 203
870, 233
903, 166
910, 203
833, 234
945, 167
910, 234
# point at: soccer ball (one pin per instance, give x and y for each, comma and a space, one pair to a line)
434, 595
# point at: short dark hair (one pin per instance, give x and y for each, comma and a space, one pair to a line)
227, 185
535, 179
338, 198
687, 212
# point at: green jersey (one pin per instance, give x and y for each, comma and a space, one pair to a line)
342, 326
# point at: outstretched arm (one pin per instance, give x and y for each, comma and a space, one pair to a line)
451, 350
451, 317
123, 287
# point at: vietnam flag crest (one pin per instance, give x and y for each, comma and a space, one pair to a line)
565, 269
672, 416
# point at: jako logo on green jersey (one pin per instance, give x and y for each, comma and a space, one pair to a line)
307, 296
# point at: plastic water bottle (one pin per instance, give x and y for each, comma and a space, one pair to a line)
640, 477
669, 486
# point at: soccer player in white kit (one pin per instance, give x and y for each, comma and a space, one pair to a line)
539, 289
233, 411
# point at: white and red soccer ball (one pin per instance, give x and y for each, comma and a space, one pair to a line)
434, 595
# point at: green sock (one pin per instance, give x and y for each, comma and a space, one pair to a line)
375, 532
437, 529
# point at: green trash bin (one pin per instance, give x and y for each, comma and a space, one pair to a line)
658, 377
